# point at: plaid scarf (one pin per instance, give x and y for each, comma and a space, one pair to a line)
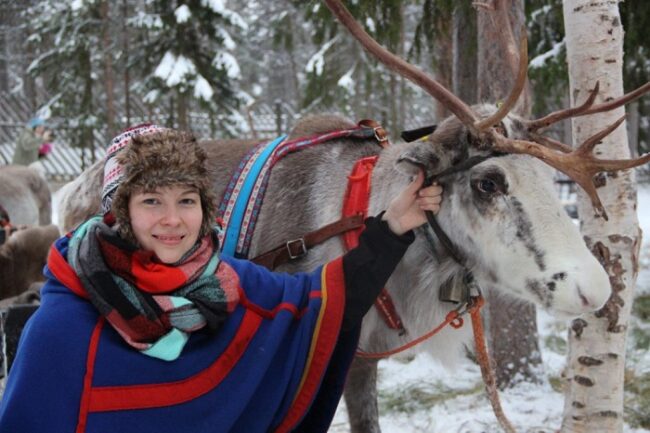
152, 305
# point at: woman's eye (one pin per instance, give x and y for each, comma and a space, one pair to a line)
487, 186
188, 201
149, 201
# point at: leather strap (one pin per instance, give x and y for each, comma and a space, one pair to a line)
297, 248
387, 310
380, 133
356, 200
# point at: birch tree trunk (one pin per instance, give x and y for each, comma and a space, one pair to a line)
594, 394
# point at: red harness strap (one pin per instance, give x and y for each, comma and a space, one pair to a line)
357, 197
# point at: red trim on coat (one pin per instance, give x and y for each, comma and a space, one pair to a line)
64, 272
326, 339
88, 377
270, 314
109, 398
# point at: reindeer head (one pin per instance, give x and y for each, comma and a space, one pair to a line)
504, 217
507, 201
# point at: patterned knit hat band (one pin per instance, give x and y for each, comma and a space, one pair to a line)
113, 171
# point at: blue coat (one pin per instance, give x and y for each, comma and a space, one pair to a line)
277, 364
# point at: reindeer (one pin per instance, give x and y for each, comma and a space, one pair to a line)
500, 212
25, 195
22, 258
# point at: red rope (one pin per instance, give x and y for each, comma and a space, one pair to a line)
453, 319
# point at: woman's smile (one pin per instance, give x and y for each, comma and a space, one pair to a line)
169, 239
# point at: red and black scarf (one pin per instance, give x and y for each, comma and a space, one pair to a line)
152, 305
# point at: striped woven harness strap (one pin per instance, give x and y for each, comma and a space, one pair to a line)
244, 194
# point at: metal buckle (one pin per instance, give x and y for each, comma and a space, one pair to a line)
378, 137
303, 248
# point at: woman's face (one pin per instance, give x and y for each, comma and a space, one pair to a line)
166, 221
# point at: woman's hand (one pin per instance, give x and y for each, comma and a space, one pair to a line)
406, 211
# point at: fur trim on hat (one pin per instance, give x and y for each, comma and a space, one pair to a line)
159, 159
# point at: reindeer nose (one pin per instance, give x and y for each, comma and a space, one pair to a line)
583, 298
591, 301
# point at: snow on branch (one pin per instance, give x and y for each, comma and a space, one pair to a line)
317, 61
540, 60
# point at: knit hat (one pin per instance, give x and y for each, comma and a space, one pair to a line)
147, 157
113, 171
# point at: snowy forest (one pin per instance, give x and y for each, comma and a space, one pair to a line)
97, 66
251, 69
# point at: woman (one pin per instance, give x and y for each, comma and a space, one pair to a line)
144, 327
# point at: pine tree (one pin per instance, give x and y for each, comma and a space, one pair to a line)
185, 50
66, 41
340, 73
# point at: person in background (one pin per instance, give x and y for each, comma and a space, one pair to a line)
33, 143
145, 327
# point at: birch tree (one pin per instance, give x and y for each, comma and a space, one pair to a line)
594, 395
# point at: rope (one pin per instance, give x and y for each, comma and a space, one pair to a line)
486, 367
453, 319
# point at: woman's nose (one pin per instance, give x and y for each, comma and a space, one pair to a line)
171, 216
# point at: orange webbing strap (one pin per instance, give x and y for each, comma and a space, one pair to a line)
453, 318
486, 366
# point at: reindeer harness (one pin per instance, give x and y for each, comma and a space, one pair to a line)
243, 199
244, 194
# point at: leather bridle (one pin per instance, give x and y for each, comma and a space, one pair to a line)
470, 286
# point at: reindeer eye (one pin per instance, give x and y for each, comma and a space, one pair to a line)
501, 129
487, 186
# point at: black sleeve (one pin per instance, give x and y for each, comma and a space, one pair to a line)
367, 267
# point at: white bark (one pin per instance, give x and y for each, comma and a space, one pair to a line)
594, 397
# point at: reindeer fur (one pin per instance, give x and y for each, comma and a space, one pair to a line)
22, 258
25, 195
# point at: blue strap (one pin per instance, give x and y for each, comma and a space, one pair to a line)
234, 225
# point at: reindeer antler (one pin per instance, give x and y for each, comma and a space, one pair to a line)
579, 164
461, 110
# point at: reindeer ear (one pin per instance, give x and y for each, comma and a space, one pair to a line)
421, 156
